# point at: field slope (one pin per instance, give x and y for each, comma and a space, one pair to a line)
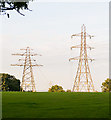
55, 105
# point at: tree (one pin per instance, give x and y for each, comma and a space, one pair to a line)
56, 88
4, 86
10, 5
9, 83
68, 91
106, 86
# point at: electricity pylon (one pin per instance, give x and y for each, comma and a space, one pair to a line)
83, 80
28, 83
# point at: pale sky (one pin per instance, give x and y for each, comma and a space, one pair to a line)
48, 29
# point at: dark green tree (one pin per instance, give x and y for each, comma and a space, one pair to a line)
106, 86
9, 83
7, 5
56, 88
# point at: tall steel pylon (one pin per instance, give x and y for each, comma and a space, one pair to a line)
83, 80
28, 83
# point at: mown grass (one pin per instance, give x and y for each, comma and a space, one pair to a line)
55, 105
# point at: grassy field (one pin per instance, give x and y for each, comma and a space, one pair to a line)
55, 105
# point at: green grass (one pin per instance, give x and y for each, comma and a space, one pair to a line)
55, 105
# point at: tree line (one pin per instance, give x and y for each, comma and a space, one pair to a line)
10, 83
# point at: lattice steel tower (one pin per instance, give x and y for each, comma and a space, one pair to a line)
83, 80
28, 83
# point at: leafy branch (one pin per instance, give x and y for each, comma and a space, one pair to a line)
10, 5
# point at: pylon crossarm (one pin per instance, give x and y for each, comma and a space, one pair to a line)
37, 65
75, 35
77, 46
17, 65
21, 60
20, 54
25, 65
39, 54
91, 59
87, 46
90, 36
33, 54
24, 60
25, 49
87, 59
76, 58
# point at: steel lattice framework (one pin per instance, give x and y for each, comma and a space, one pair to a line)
83, 80
28, 83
